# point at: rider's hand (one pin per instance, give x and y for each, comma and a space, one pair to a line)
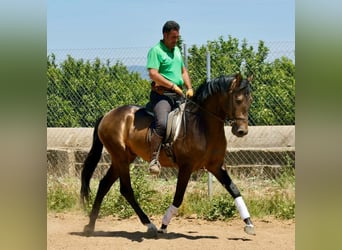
178, 90
189, 93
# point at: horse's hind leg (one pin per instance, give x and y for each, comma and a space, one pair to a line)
222, 175
104, 186
127, 191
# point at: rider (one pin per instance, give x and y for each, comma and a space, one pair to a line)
168, 74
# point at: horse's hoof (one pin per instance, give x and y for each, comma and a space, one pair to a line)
249, 229
152, 230
88, 230
162, 231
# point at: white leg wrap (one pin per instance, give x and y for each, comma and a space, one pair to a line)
241, 207
170, 212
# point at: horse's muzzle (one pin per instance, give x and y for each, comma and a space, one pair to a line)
240, 130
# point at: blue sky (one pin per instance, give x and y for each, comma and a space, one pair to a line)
81, 24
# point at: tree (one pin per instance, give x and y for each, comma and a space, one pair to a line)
79, 92
273, 84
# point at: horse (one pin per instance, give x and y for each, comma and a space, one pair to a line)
124, 131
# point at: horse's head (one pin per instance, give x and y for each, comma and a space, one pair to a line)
240, 100
227, 97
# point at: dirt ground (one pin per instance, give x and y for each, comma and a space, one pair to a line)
64, 231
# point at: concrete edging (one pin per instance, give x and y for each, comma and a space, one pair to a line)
264, 146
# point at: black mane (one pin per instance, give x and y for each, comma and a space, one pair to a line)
208, 88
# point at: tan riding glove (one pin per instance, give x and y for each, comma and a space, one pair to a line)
178, 90
189, 93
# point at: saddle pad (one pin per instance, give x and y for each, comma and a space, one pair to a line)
174, 122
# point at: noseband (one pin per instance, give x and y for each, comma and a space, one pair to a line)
231, 122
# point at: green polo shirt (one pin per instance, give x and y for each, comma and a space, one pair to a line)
168, 63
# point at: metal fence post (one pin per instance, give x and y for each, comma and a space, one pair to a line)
185, 55
210, 176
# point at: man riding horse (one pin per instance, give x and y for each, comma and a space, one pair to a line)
168, 74
123, 132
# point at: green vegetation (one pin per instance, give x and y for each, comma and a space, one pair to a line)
273, 83
79, 91
62, 194
274, 197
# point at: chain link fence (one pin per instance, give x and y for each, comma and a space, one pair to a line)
79, 95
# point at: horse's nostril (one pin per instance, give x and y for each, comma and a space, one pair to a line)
242, 132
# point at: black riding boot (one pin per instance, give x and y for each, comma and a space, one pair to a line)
154, 166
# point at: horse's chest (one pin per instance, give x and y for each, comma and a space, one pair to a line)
215, 148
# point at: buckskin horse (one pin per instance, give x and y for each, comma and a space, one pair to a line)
201, 144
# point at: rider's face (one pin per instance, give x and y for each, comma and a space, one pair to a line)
171, 38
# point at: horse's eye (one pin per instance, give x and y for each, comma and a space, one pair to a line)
238, 101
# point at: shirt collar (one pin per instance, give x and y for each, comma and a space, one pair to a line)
162, 44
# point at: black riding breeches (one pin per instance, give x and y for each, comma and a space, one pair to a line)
162, 105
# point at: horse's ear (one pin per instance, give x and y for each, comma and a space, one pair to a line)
238, 78
236, 82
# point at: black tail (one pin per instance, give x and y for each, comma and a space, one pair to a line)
90, 163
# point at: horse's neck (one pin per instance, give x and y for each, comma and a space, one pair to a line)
209, 118
212, 113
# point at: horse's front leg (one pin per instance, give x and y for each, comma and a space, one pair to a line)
182, 182
222, 175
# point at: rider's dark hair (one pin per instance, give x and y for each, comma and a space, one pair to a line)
170, 25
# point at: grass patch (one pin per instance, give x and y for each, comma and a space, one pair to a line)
62, 194
263, 197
